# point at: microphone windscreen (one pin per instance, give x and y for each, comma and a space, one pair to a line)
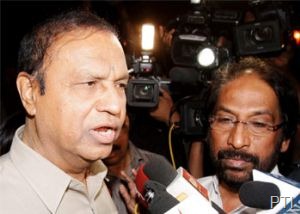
159, 200
140, 179
257, 194
160, 170
183, 75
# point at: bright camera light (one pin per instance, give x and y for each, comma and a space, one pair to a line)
195, 1
148, 36
296, 36
206, 57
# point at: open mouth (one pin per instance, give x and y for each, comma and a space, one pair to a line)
104, 135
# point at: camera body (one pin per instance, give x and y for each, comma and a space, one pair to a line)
193, 119
143, 92
259, 37
195, 40
143, 87
205, 25
267, 33
204, 39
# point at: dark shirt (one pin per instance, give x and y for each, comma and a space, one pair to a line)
139, 156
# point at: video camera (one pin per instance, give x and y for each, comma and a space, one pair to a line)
204, 39
194, 41
209, 36
143, 87
267, 33
197, 39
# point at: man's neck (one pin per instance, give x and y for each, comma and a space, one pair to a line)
230, 198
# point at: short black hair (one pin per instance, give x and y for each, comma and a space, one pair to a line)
34, 45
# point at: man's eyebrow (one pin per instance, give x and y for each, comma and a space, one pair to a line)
101, 76
223, 108
125, 76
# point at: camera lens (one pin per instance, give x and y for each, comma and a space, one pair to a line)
197, 117
143, 92
262, 34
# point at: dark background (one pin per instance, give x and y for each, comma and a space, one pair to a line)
18, 17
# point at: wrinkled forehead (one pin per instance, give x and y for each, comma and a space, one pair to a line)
80, 34
83, 39
249, 93
248, 82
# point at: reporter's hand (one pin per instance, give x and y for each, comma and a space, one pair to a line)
130, 197
162, 111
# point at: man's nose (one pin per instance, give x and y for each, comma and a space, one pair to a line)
112, 100
239, 136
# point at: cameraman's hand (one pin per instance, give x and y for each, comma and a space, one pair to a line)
162, 111
165, 36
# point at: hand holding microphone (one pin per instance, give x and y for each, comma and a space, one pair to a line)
191, 195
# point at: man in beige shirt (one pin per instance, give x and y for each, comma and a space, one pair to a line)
71, 82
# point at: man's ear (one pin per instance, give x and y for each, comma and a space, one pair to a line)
285, 145
28, 89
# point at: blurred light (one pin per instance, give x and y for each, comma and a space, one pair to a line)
296, 36
206, 57
195, 1
148, 37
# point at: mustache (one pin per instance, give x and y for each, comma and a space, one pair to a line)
233, 154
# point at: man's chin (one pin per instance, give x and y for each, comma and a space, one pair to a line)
99, 155
235, 178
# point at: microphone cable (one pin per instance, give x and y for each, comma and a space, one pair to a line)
170, 145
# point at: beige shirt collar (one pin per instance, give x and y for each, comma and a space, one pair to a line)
49, 181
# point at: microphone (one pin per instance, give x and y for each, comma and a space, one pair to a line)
180, 184
158, 199
289, 199
158, 169
147, 172
257, 194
